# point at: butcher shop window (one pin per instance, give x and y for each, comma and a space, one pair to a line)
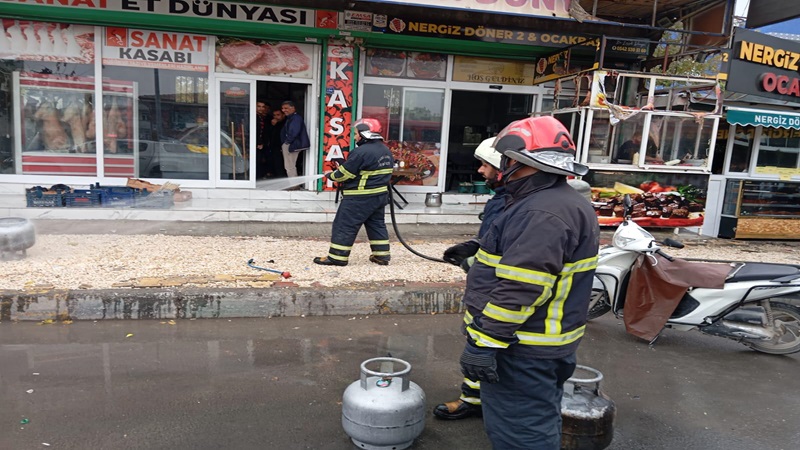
46, 99
156, 121
412, 122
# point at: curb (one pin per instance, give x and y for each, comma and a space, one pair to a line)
67, 305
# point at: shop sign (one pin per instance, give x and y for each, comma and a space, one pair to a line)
497, 71
356, 21
560, 65
155, 49
400, 64
765, 66
763, 118
327, 19
399, 25
783, 173
626, 48
546, 8
241, 12
42, 41
260, 57
338, 106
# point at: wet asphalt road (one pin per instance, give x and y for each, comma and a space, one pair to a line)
277, 384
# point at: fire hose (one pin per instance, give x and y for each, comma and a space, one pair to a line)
400, 237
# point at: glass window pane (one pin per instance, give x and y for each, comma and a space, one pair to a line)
779, 149
412, 120
47, 116
627, 139
234, 112
742, 148
158, 117
599, 138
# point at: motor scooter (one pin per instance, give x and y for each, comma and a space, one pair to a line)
757, 305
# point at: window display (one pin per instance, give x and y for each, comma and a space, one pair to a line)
47, 99
779, 153
234, 55
412, 118
761, 209
155, 113
400, 64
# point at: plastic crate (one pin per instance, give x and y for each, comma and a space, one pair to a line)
39, 197
82, 198
117, 196
158, 200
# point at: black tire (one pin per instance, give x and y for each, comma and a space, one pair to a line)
598, 304
789, 341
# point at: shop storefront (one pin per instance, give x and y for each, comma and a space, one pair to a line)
757, 191
173, 94
99, 103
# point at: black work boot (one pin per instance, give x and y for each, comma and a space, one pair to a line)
378, 260
329, 262
456, 410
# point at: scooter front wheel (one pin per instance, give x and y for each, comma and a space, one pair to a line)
598, 304
787, 328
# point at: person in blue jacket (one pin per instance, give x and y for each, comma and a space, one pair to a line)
294, 138
364, 180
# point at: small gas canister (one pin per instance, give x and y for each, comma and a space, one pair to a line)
383, 410
587, 415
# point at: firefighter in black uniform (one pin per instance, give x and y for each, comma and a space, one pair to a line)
528, 291
365, 178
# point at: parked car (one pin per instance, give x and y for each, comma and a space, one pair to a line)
187, 157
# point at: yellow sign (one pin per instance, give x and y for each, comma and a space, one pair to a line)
784, 173
495, 71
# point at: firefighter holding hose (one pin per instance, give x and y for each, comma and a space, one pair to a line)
364, 178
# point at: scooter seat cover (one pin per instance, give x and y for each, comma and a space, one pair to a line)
763, 271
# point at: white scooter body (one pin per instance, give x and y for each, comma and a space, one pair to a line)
741, 310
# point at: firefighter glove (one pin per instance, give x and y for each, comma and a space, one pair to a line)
478, 363
459, 252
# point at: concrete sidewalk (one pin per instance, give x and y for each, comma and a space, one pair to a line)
365, 290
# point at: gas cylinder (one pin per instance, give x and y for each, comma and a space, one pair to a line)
587, 414
383, 410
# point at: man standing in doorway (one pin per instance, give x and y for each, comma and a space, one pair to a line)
275, 159
263, 132
365, 180
528, 291
294, 138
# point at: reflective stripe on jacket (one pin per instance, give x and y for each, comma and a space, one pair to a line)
532, 278
367, 171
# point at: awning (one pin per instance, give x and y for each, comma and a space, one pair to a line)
764, 117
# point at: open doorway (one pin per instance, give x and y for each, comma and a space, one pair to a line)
475, 116
269, 122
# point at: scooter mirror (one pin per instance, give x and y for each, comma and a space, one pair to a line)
627, 204
672, 243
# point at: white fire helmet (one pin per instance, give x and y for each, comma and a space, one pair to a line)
486, 153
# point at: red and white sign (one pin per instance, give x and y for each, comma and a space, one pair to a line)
44, 41
547, 8
205, 9
155, 49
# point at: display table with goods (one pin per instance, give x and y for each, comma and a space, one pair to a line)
761, 209
654, 205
